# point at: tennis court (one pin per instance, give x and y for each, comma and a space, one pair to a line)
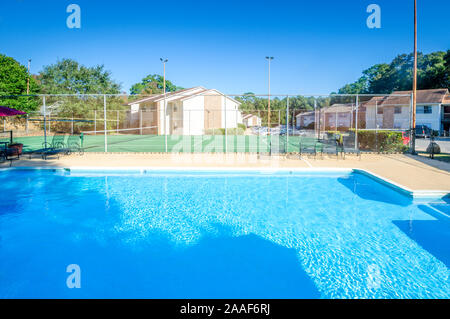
178, 143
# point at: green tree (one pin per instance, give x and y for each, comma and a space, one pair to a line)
432, 73
13, 85
436, 73
447, 69
153, 84
69, 77
358, 87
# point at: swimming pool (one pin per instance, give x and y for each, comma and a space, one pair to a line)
246, 234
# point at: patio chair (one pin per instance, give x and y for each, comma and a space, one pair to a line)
8, 154
73, 145
328, 145
348, 147
308, 148
3, 152
57, 142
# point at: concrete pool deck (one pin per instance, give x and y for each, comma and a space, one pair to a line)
413, 172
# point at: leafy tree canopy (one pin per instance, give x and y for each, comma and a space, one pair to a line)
432, 73
69, 77
153, 84
13, 81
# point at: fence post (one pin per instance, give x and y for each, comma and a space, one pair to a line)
279, 118
45, 121
26, 126
376, 126
165, 121
72, 122
140, 121
117, 121
287, 124
226, 133
315, 118
95, 122
336, 120
356, 123
236, 132
104, 121
190, 137
411, 124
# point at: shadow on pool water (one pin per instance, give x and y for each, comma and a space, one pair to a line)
224, 267
368, 189
431, 235
245, 267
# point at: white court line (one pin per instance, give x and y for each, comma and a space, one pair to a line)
306, 161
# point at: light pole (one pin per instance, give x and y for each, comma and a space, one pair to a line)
269, 58
414, 97
28, 78
164, 61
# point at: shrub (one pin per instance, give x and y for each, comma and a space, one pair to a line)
242, 126
382, 141
221, 131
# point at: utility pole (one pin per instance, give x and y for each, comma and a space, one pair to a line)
269, 58
414, 95
164, 61
28, 78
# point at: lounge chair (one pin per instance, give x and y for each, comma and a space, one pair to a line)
328, 145
308, 148
348, 146
73, 145
57, 142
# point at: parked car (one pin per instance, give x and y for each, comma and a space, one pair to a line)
263, 131
423, 131
255, 129
405, 138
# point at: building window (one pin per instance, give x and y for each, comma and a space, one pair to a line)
398, 110
424, 109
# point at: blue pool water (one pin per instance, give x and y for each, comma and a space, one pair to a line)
218, 235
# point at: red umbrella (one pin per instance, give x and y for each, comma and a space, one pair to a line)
6, 111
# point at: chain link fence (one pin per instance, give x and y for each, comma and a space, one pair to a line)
215, 123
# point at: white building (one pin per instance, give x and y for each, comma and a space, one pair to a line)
251, 120
305, 120
191, 111
394, 112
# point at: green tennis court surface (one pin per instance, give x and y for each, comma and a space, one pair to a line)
177, 143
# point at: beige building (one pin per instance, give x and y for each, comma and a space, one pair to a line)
335, 117
394, 112
251, 120
191, 111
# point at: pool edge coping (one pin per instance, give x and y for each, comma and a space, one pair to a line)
419, 194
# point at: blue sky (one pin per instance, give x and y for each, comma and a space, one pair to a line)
318, 45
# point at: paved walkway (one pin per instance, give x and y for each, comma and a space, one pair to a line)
416, 173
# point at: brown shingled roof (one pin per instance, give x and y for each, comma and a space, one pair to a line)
157, 97
423, 97
446, 99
